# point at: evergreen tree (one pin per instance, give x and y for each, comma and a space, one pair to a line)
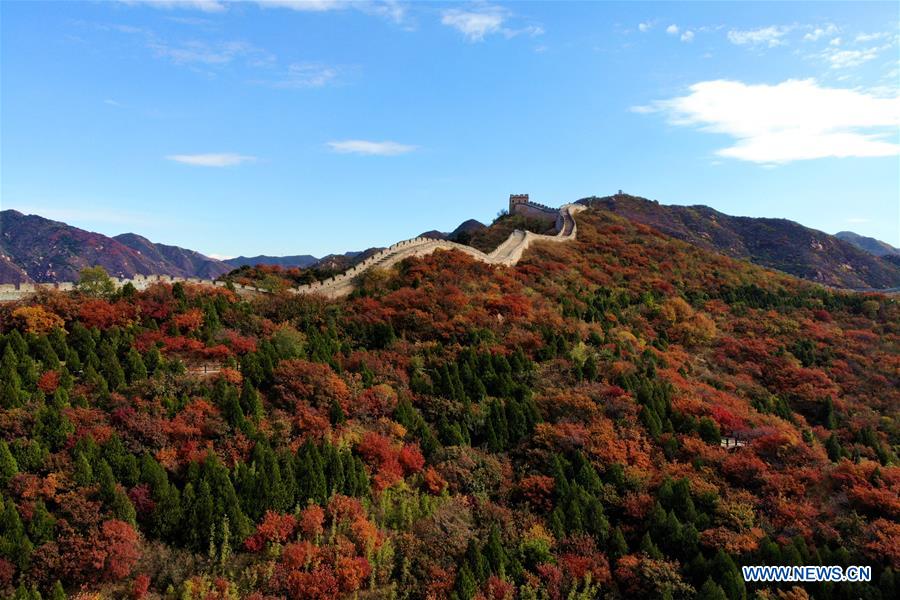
833, 448
466, 586
649, 548
494, 553
84, 474
57, 592
8, 464
250, 402
14, 543
709, 431
336, 413
887, 583
728, 576
711, 591
135, 369
618, 547
52, 427
10, 388
477, 563
42, 524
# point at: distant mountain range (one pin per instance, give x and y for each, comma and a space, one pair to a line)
869, 244
301, 261
33, 248
41, 250
774, 243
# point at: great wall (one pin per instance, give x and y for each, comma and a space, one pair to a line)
506, 254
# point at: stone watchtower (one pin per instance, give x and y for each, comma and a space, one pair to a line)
515, 200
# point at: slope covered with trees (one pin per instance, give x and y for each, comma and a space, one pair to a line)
773, 243
455, 430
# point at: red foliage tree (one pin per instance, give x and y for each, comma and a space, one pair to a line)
120, 546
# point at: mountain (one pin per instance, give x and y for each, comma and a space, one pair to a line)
775, 243
340, 262
43, 250
623, 415
187, 261
301, 261
868, 244
462, 234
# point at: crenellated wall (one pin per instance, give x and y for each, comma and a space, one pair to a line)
506, 254
13, 291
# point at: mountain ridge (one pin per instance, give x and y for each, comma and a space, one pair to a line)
775, 243
36, 249
868, 244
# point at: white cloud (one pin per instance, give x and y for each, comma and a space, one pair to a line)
645, 26
225, 159
871, 37
484, 20
819, 32
210, 6
111, 102
474, 25
370, 148
672, 29
304, 75
687, 36
199, 52
217, 256
835, 42
846, 59
391, 10
305, 5
765, 36
792, 120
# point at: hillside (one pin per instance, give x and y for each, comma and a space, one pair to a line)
774, 243
50, 251
624, 415
868, 244
301, 261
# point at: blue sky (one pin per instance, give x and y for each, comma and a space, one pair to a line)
256, 128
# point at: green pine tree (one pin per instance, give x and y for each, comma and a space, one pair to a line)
8, 464
711, 591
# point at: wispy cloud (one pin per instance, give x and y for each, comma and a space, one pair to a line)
370, 148
210, 6
819, 32
687, 36
871, 37
209, 53
224, 159
846, 59
474, 25
303, 75
484, 20
766, 36
391, 10
646, 26
672, 29
789, 121
210, 57
111, 102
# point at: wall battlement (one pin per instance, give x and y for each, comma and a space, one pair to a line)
506, 254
